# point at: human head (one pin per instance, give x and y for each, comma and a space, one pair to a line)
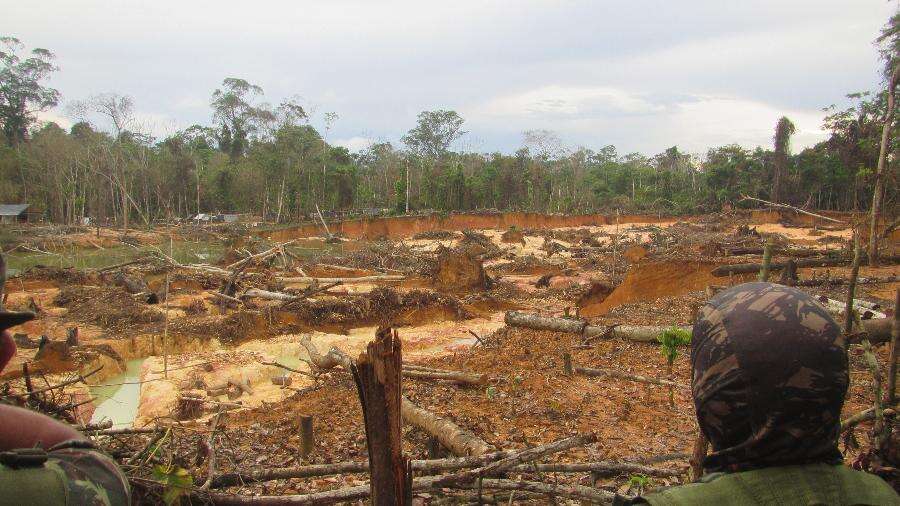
769, 378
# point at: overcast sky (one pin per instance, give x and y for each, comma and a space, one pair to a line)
642, 75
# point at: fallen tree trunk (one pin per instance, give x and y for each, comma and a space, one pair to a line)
265, 294
726, 270
453, 437
360, 279
797, 209
838, 308
789, 252
841, 281
640, 333
454, 376
877, 331
631, 377
333, 358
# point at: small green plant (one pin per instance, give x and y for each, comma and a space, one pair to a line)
176, 482
669, 341
637, 483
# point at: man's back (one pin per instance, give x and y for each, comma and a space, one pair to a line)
812, 484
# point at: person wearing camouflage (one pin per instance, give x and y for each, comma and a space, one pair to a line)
770, 374
46, 462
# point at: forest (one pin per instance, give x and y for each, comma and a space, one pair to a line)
269, 161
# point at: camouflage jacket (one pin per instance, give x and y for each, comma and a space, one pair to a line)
811, 484
71, 473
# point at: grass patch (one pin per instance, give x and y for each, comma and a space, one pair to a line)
92, 258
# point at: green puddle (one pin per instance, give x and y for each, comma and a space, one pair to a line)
118, 402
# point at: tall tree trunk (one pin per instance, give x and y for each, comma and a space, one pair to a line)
880, 171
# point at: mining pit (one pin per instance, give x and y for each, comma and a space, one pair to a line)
237, 345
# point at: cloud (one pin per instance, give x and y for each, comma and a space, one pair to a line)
643, 75
354, 144
598, 116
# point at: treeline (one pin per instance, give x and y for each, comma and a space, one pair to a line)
269, 161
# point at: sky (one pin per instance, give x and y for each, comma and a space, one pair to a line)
641, 75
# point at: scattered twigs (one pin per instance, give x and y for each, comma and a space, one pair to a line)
518, 458
137, 457
631, 377
78, 379
286, 368
785, 206
210, 450
346, 281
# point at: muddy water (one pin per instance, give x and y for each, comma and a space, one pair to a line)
118, 396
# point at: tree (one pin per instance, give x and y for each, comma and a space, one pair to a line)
21, 92
434, 132
784, 129
238, 117
890, 38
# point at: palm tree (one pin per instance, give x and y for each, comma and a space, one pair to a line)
783, 131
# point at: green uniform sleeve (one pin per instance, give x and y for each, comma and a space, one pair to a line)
71, 476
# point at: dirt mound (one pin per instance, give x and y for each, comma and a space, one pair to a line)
653, 280
513, 236
596, 293
110, 308
231, 329
61, 275
382, 306
459, 269
383, 255
478, 244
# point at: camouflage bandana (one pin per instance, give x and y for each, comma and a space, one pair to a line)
769, 378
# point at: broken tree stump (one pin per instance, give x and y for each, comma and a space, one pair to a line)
307, 440
378, 374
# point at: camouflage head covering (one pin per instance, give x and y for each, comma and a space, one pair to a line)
769, 378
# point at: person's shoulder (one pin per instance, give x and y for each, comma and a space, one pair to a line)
811, 483
72, 472
91, 477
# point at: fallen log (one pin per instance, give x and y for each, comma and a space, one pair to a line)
595, 495
789, 252
265, 294
320, 362
797, 209
877, 330
259, 256
631, 377
360, 279
838, 308
727, 270
640, 333
453, 437
841, 281
463, 378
